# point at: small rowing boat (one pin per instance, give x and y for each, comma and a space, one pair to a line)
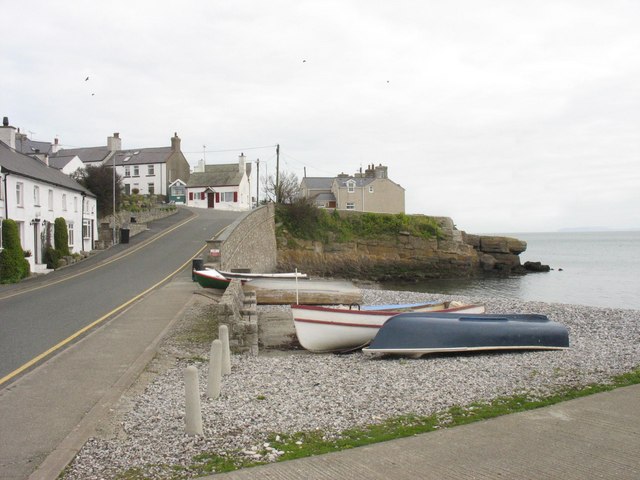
417, 333
211, 278
331, 329
251, 276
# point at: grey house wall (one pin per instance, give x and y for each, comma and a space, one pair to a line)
248, 243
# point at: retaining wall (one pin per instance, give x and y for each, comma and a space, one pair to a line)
249, 243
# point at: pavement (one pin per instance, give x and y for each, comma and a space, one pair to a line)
57, 406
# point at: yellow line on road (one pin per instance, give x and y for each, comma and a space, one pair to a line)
118, 309
102, 264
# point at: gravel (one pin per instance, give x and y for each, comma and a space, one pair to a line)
287, 392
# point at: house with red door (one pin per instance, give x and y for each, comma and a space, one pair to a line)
224, 186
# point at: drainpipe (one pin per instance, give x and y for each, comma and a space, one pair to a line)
6, 196
83, 195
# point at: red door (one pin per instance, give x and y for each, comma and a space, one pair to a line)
210, 200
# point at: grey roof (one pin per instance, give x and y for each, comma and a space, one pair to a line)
216, 175
87, 155
360, 181
330, 197
30, 147
141, 156
60, 161
318, 183
26, 166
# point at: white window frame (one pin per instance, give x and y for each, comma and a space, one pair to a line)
127, 171
20, 194
75, 204
86, 228
136, 171
152, 188
150, 171
36, 195
70, 233
351, 206
64, 202
50, 200
351, 186
226, 197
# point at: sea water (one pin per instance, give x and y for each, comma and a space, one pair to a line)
600, 269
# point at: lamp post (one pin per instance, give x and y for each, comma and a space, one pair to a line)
114, 198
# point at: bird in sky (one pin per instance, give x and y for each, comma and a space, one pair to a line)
86, 79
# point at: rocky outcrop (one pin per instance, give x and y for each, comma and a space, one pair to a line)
405, 256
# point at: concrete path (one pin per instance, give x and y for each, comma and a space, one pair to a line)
591, 437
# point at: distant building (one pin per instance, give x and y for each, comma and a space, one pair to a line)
223, 186
371, 191
34, 194
149, 171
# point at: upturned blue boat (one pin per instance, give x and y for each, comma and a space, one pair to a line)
417, 333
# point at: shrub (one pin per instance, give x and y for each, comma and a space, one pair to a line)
52, 257
13, 266
61, 237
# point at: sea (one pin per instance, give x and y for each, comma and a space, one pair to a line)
599, 269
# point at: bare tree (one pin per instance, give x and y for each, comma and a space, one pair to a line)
287, 190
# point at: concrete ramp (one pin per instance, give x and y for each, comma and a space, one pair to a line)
309, 292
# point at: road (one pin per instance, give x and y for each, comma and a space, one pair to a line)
40, 317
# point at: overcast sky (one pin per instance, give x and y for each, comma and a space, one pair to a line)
507, 116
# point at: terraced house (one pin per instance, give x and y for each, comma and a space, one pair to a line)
34, 194
148, 171
368, 191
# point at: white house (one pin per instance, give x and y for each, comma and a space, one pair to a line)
33, 194
223, 186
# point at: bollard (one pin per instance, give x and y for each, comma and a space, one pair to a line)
215, 370
223, 333
193, 414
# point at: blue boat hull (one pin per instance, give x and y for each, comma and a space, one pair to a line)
418, 333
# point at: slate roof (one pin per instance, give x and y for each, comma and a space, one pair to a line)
325, 197
15, 162
87, 154
217, 175
60, 161
141, 156
318, 183
29, 147
360, 181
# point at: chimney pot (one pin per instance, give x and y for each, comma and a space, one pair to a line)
5, 121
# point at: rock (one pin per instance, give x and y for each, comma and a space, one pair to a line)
487, 262
536, 267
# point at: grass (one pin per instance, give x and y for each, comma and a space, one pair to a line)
305, 444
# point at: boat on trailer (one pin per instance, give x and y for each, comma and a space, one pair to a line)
334, 329
418, 333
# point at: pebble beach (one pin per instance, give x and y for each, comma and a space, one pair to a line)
292, 391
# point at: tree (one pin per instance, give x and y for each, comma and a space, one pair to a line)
13, 266
287, 190
61, 236
99, 181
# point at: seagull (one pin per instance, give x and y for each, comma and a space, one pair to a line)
304, 61
86, 79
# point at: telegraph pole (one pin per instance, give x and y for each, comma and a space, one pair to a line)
257, 182
278, 173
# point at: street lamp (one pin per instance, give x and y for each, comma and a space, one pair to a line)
114, 197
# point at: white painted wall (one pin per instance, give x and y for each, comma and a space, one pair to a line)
142, 181
39, 208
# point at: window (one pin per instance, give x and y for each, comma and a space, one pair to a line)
127, 189
351, 206
370, 188
75, 204
127, 171
152, 188
50, 200
70, 231
136, 171
64, 202
351, 186
20, 194
86, 228
150, 171
227, 196
36, 196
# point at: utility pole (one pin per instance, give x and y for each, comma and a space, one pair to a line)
257, 182
278, 173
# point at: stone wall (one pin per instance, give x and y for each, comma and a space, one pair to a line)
136, 222
247, 244
237, 310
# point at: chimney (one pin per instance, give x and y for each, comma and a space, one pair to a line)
46, 159
114, 143
381, 171
201, 166
8, 133
175, 142
241, 163
56, 146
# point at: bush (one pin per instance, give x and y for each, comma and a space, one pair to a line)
13, 266
61, 237
52, 257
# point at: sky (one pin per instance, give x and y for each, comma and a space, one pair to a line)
505, 116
